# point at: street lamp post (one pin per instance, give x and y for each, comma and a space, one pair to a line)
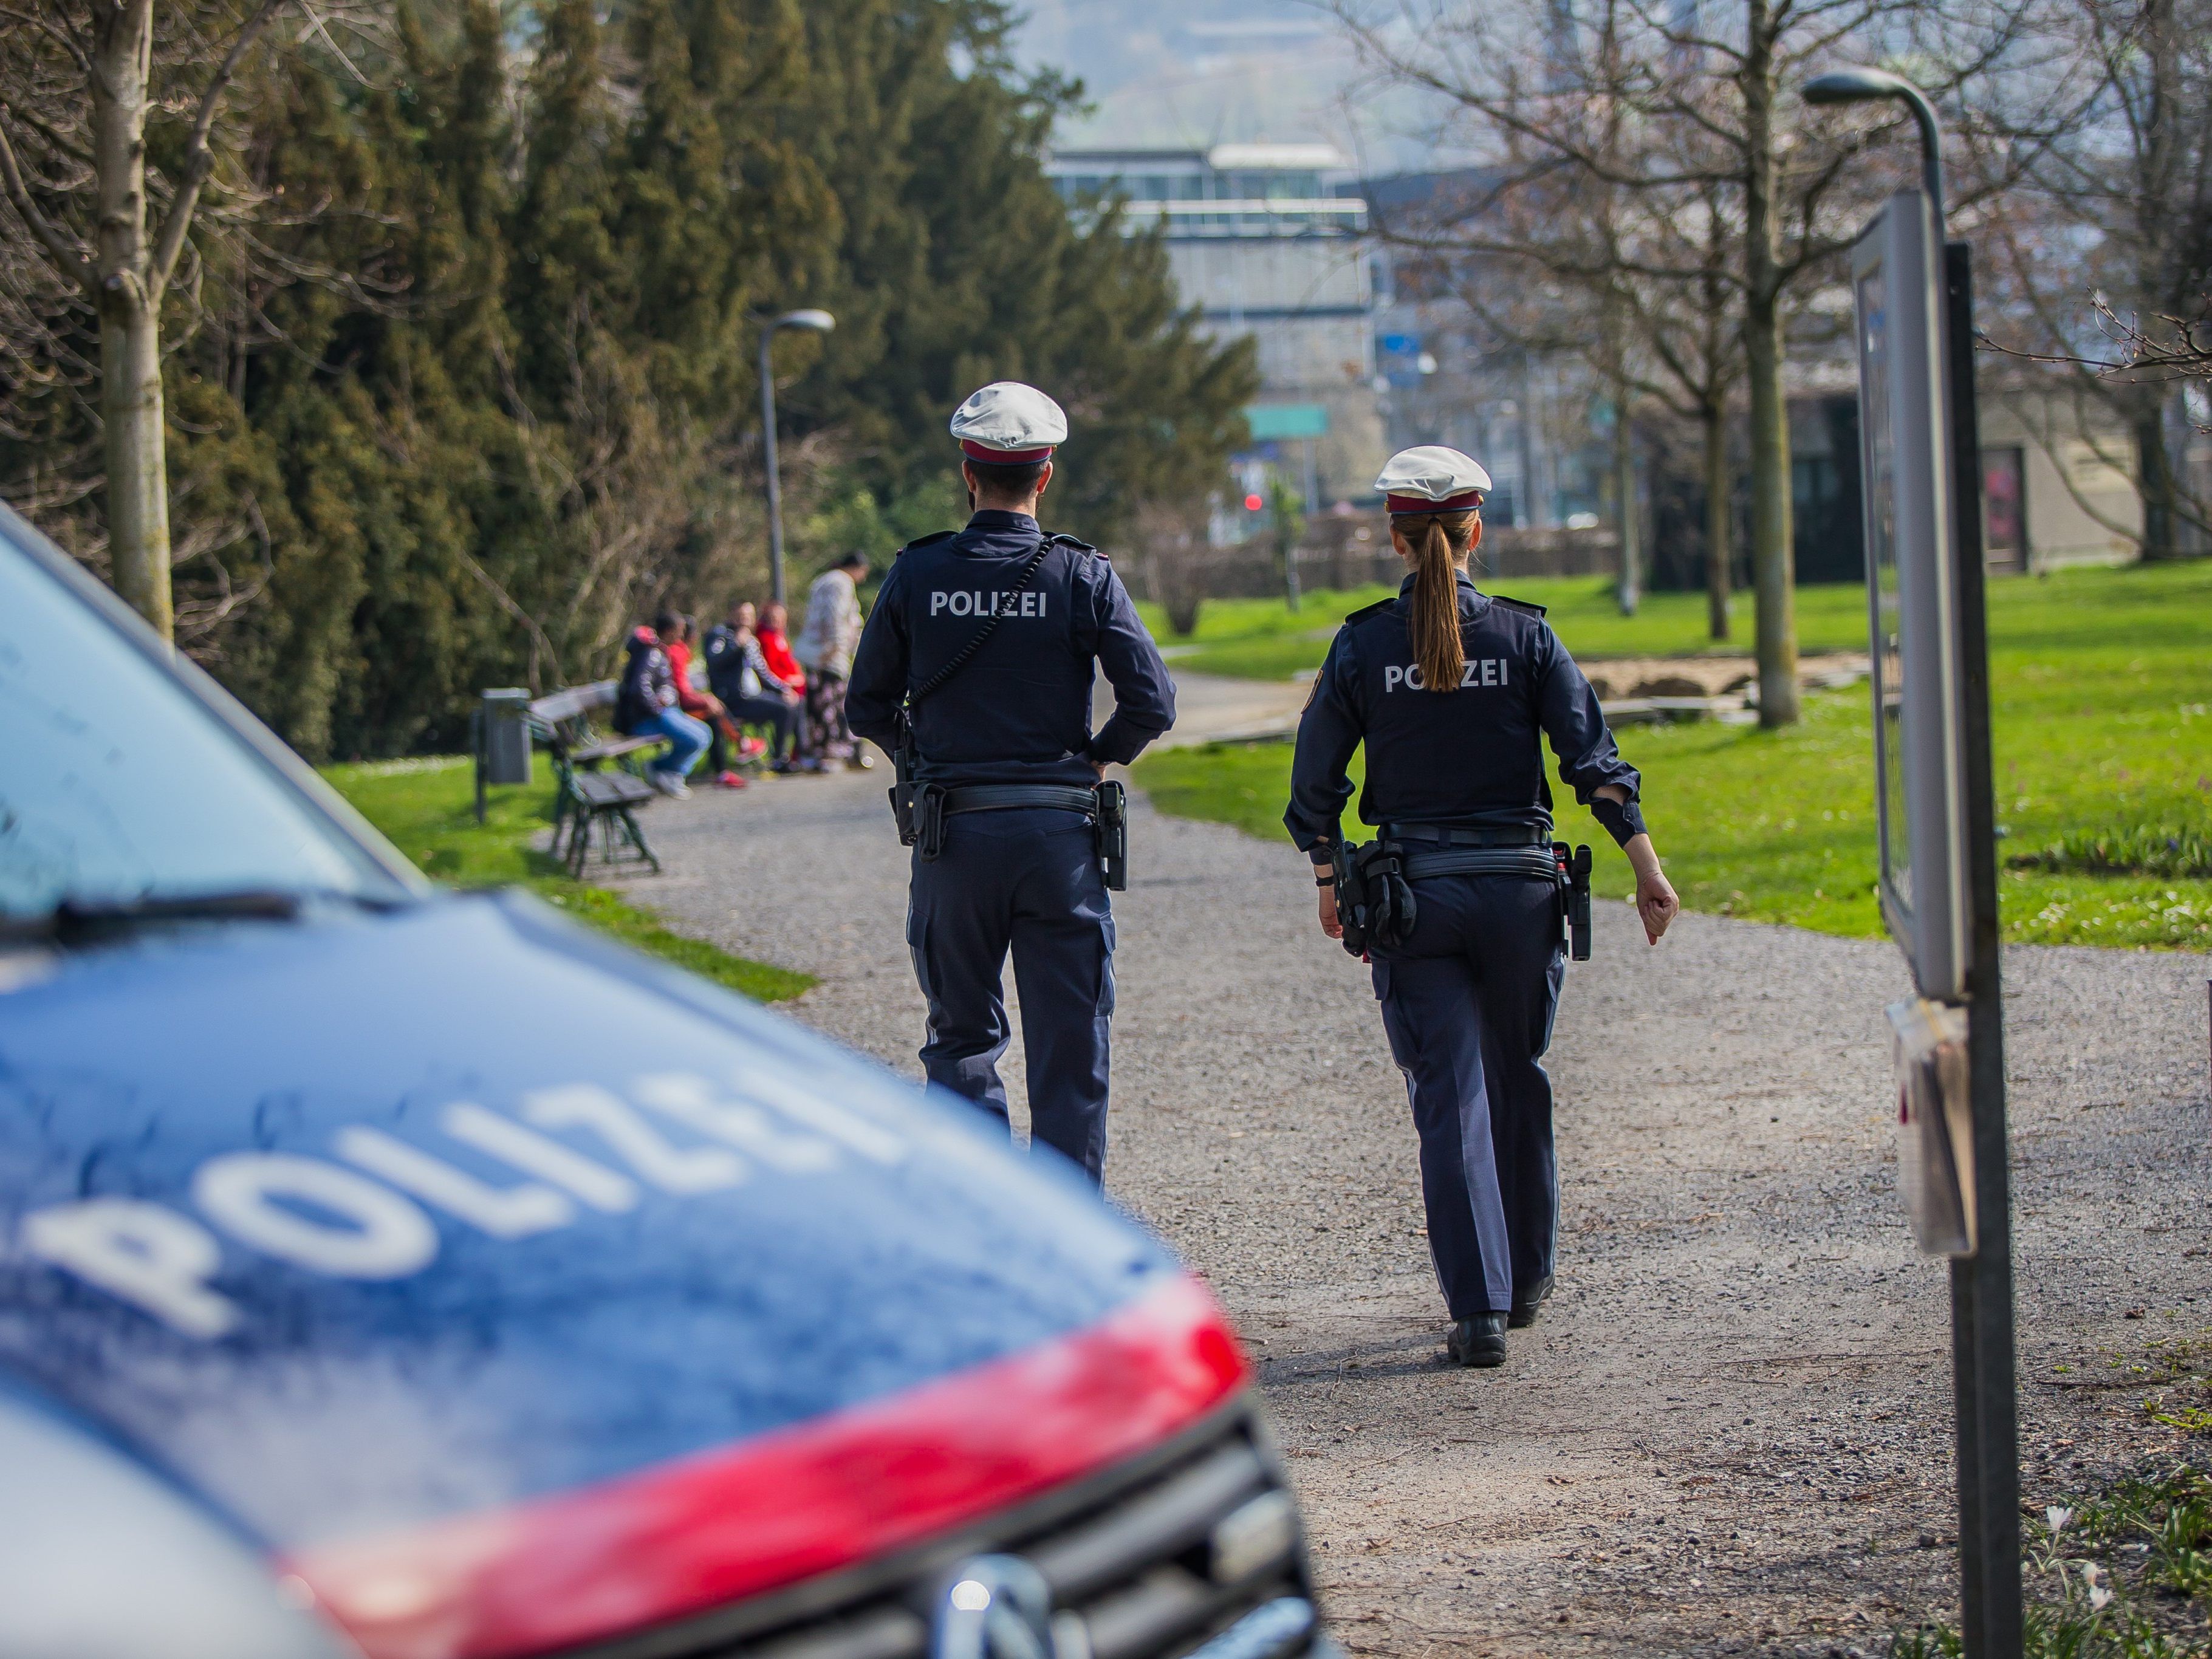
1984, 1380
821, 322
1860, 86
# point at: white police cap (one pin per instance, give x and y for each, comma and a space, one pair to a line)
1009, 424
1433, 479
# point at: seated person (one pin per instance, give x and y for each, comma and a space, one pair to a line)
739, 670
645, 706
702, 706
776, 647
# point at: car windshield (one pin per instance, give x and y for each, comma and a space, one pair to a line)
119, 788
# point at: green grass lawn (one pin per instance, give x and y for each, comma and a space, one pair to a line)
2103, 688
427, 809
1261, 640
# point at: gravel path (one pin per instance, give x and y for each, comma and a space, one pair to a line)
1731, 1431
1209, 707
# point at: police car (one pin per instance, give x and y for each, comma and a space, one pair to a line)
392, 1272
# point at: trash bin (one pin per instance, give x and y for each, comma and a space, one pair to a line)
505, 725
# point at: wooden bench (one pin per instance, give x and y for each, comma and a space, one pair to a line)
588, 797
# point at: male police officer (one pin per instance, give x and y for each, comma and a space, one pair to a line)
988, 640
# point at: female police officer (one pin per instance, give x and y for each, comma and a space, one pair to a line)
1450, 689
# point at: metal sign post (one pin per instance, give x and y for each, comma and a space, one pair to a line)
1984, 1385
1936, 814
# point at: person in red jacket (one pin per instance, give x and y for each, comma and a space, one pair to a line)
775, 638
702, 706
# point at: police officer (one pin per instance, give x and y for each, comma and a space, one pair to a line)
1450, 688
1002, 729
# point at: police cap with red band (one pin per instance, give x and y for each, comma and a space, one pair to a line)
1433, 479
1009, 424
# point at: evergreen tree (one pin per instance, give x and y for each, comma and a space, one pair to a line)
477, 385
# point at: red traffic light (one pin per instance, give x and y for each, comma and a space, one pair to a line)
1254, 503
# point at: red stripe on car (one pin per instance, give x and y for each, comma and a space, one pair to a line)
704, 1530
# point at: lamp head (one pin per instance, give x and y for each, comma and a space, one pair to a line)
1854, 86
821, 321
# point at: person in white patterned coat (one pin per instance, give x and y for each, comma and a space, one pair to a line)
824, 648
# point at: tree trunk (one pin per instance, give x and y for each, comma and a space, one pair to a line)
1630, 593
2160, 259
1773, 579
129, 317
1718, 494
2154, 480
138, 481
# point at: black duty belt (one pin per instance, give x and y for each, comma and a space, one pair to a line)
997, 797
1523, 835
1484, 861
1106, 807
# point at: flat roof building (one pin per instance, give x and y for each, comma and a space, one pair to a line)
1265, 241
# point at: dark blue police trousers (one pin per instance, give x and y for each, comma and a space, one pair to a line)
1026, 878
1467, 1002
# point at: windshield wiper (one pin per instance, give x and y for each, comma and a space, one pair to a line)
74, 918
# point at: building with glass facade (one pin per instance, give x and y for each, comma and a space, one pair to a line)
1265, 239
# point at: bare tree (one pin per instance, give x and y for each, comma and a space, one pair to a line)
1637, 284
81, 79
1678, 123
1665, 265
2165, 351
1698, 362
2105, 264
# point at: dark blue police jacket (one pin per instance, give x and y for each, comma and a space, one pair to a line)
1468, 758
1019, 711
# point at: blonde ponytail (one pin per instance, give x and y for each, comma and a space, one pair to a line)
1439, 541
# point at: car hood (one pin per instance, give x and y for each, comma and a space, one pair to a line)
355, 1225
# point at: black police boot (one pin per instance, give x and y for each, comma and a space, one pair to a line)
1480, 1341
1525, 1305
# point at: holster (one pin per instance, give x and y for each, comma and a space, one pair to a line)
1111, 827
1375, 903
929, 821
918, 808
903, 791
1574, 868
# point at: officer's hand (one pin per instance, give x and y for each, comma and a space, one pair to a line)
1330, 924
1655, 902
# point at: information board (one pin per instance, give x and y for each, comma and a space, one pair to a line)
1906, 469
